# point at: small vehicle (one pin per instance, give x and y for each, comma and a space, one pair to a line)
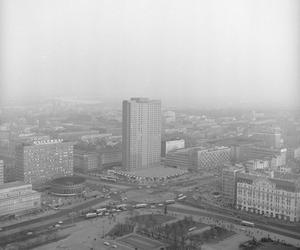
114, 246
90, 215
106, 243
29, 233
60, 222
1, 228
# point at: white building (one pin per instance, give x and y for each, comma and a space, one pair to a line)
17, 198
171, 145
272, 197
141, 133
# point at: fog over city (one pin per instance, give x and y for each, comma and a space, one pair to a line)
195, 52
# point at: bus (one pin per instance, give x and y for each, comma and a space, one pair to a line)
90, 215
109, 178
101, 210
192, 229
141, 205
247, 223
181, 198
170, 201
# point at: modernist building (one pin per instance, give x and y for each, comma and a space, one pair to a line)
269, 196
184, 159
18, 198
213, 157
229, 180
67, 186
85, 161
141, 133
42, 161
270, 139
198, 157
171, 145
257, 164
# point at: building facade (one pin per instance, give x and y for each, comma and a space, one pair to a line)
213, 157
272, 197
229, 180
85, 161
171, 145
141, 133
184, 159
42, 161
18, 198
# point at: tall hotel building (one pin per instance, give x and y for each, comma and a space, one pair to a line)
141, 133
41, 161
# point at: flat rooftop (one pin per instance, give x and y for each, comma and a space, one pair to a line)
155, 172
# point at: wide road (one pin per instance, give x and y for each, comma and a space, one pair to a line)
200, 212
62, 213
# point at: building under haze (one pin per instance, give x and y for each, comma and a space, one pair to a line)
18, 198
141, 133
41, 161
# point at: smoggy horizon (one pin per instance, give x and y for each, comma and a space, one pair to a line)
184, 53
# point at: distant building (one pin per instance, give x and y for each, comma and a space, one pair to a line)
213, 157
184, 159
18, 198
198, 157
141, 133
169, 116
229, 180
41, 161
257, 164
77, 135
269, 196
110, 158
271, 139
85, 161
1, 172
171, 145
277, 157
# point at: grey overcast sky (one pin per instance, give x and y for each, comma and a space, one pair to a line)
181, 51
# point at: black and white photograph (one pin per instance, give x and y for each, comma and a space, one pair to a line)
149, 124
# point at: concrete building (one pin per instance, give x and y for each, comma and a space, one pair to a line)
41, 161
1, 172
110, 158
18, 198
212, 157
270, 139
141, 133
171, 145
257, 164
269, 196
229, 180
277, 157
85, 161
184, 159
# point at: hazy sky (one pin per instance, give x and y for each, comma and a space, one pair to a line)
182, 51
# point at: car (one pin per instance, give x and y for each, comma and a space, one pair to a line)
114, 246
152, 206
29, 233
60, 222
106, 243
